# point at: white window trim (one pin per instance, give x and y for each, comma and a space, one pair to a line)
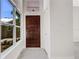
9, 50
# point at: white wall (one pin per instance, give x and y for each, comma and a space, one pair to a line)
62, 29
76, 23
75, 2
76, 48
76, 30
46, 32
46, 44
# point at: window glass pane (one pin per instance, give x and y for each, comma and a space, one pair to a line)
17, 34
17, 19
6, 37
6, 11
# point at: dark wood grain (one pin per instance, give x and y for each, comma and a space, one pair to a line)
32, 31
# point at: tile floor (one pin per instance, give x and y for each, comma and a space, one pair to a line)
33, 53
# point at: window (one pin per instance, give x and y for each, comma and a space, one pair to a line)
17, 26
17, 34
6, 37
9, 25
17, 19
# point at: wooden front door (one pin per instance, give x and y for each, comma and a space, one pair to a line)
32, 31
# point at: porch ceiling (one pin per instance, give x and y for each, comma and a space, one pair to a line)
32, 5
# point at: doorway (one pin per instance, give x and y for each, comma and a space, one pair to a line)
32, 31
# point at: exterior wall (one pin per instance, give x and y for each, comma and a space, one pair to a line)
76, 30
76, 23
76, 48
62, 29
46, 41
75, 2
46, 33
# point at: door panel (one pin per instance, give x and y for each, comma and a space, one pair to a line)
33, 31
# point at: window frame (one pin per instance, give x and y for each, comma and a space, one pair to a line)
16, 26
9, 49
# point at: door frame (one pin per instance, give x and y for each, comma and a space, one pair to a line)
41, 30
